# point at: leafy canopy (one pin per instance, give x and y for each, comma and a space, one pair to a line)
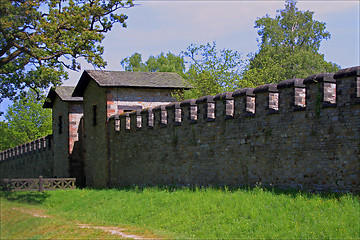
26, 120
210, 71
42, 38
160, 63
288, 47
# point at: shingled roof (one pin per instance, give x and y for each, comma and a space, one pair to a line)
64, 93
130, 79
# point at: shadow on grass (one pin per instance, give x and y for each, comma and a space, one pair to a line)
291, 192
24, 197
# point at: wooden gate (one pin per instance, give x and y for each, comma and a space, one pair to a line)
37, 184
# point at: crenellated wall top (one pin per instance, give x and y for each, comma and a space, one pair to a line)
244, 92
205, 99
224, 96
270, 87
289, 83
40, 144
348, 72
228, 105
321, 77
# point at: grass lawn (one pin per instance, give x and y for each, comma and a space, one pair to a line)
18, 222
200, 212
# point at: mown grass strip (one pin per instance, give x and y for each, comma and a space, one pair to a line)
17, 222
208, 212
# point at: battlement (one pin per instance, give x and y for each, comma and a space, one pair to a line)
33, 147
299, 133
316, 92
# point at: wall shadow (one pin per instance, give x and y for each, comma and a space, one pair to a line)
291, 192
24, 197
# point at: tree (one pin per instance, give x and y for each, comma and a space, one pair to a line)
225, 65
289, 45
160, 63
133, 63
210, 71
203, 83
42, 38
26, 120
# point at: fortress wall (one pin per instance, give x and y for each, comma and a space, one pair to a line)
95, 120
75, 143
75, 115
302, 133
110, 100
28, 160
299, 133
120, 99
61, 126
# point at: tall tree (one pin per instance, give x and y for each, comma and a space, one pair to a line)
25, 120
212, 71
288, 47
41, 38
161, 63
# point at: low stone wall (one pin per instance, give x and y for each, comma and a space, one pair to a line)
301, 133
29, 160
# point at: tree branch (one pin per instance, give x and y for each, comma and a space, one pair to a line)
9, 58
58, 54
6, 48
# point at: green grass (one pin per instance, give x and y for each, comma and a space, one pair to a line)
208, 212
16, 224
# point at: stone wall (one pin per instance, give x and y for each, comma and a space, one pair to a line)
59, 156
75, 151
75, 115
119, 100
29, 160
95, 121
60, 120
299, 133
110, 100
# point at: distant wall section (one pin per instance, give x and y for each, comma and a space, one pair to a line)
29, 160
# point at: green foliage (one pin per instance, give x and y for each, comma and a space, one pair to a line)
289, 45
26, 120
41, 38
203, 83
211, 213
133, 63
160, 63
212, 71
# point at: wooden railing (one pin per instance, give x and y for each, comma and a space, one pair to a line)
37, 184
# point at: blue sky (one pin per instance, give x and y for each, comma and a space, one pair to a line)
163, 26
